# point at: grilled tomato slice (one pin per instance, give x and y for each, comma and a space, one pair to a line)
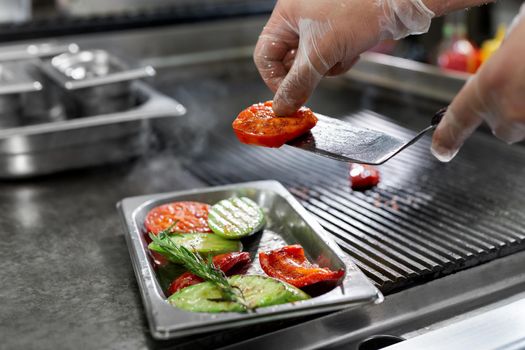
363, 176
191, 217
258, 125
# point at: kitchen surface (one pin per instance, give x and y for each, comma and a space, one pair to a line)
101, 102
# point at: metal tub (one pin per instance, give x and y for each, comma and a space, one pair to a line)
68, 144
287, 223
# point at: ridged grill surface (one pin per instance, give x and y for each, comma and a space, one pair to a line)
425, 219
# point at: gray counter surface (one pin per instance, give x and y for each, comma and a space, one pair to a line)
67, 280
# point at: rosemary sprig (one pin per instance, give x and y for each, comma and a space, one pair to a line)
196, 265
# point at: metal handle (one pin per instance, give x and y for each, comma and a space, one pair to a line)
433, 124
438, 116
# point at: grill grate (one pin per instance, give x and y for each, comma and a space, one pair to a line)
423, 221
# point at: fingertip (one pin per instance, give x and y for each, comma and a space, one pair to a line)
284, 107
446, 134
448, 137
458, 123
289, 99
442, 154
297, 85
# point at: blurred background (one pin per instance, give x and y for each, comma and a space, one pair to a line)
459, 41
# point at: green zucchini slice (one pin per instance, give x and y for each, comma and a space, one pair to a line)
258, 291
205, 244
235, 218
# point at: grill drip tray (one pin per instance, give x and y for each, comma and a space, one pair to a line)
425, 219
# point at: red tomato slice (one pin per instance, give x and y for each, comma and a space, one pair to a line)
363, 176
290, 265
258, 125
226, 262
190, 217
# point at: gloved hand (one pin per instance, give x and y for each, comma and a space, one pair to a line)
305, 40
495, 94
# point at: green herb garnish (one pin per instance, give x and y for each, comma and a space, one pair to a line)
196, 265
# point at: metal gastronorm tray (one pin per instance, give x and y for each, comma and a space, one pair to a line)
287, 223
46, 148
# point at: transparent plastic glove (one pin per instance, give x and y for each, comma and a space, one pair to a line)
305, 40
495, 94
403, 18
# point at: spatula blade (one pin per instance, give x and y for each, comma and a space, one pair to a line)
342, 141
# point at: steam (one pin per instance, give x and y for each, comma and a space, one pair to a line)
171, 144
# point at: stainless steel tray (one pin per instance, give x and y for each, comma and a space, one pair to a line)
287, 223
74, 143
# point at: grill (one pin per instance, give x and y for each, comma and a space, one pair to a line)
425, 219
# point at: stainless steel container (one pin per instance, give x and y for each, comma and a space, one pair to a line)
287, 223
90, 110
23, 100
74, 143
98, 83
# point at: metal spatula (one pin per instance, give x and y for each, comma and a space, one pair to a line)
336, 139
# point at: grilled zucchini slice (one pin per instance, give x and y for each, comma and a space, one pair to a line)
258, 291
235, 218
205, 244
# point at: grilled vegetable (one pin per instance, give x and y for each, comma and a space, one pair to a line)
188, 217
227, 263
363, 176
205, 244
205, 270
258, 291
289, 264
258, 125
235, 218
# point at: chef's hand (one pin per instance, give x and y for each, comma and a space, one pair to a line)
305, 40
495, 94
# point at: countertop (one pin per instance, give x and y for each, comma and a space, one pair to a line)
67, 279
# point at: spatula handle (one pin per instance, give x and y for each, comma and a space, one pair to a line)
438, 116
433, 124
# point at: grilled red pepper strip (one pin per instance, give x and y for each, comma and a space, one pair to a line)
225, 262
289, 264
